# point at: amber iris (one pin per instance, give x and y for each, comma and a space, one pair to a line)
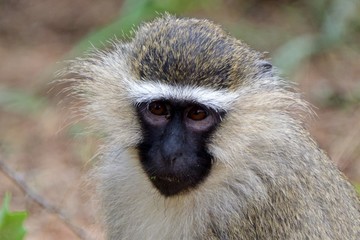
158, 108
197, 113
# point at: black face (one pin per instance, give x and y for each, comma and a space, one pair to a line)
173, 152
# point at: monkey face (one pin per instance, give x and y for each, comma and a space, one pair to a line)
173, 150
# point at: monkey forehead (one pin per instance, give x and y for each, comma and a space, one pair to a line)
190, 51
220, 100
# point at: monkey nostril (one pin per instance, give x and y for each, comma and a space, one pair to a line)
170, 156
170, 160
173, 160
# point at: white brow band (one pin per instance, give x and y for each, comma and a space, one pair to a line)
148, 91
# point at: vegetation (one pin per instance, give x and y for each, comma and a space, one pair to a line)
11, 223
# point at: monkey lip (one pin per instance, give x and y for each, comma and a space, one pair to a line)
166, 178
170, 185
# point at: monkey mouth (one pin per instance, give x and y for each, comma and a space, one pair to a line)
170, 185
166, 178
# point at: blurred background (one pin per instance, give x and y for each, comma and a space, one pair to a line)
315, 43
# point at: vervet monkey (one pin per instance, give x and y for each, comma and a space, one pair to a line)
205, 141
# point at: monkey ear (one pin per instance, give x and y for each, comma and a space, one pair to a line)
265, 68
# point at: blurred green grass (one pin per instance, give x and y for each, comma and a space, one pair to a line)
21, 102
334, 23
133, 13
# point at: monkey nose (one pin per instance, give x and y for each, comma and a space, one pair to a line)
171, 152
171, 159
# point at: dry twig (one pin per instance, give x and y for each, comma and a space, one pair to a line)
21, 183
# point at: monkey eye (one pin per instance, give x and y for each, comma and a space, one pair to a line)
197, 113
158, 108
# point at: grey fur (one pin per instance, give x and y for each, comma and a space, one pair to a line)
269, 179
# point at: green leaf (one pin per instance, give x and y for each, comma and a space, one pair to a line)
11, 223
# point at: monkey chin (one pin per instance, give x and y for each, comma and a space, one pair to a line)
170, 185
